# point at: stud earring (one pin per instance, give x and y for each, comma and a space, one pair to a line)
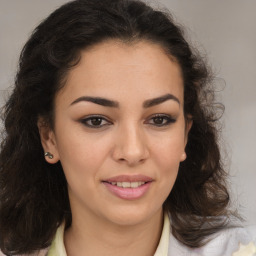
48, 154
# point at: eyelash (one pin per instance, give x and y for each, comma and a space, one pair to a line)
85, 120
168, 120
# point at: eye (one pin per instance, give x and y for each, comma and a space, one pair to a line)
95, 121
161, 120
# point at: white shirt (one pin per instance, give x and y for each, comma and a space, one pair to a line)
224, 243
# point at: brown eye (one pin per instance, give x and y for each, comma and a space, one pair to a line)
161, 120
95, 122
158, 120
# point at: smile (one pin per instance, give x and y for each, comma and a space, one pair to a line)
128, 184
128, 187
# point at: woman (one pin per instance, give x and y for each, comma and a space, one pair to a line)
110, 141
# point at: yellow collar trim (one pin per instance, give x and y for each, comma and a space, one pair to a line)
58, 249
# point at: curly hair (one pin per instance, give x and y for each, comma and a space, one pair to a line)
33, 194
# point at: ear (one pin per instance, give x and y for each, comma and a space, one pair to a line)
48, 141
188, 125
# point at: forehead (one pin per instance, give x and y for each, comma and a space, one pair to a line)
113, 68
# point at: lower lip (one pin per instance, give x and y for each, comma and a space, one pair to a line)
128, 193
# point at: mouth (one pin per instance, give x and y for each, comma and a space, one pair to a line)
128, 187
126, 184
129, 181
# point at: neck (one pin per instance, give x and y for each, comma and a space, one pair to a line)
97, 237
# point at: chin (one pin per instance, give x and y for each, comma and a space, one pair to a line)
130, 216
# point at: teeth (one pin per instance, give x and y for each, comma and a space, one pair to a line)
135, 184
126, 184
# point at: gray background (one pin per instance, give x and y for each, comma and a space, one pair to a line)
224, 30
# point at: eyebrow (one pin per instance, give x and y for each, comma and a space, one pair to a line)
98, 100
156, 101
114, 104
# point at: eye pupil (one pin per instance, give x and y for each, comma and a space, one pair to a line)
96, 121
158, 120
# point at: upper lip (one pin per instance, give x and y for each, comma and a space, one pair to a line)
129, 178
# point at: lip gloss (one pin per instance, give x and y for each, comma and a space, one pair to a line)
128, 193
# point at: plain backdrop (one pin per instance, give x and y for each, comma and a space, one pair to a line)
224, 30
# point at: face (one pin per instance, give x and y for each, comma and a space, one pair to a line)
119, 131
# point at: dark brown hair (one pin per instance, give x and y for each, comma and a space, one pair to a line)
33, 194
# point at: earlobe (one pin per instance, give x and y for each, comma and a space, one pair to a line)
183, 156
48, 142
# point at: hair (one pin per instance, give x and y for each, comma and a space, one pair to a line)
33, 194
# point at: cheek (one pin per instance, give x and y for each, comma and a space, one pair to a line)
167, 158
169, 151
167, 162
82, 155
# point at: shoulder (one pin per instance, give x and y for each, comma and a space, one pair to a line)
223, 243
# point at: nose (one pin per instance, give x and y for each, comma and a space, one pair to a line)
130, 146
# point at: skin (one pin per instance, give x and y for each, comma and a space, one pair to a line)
130, 140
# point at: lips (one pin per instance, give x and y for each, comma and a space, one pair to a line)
128, 187
129, 178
